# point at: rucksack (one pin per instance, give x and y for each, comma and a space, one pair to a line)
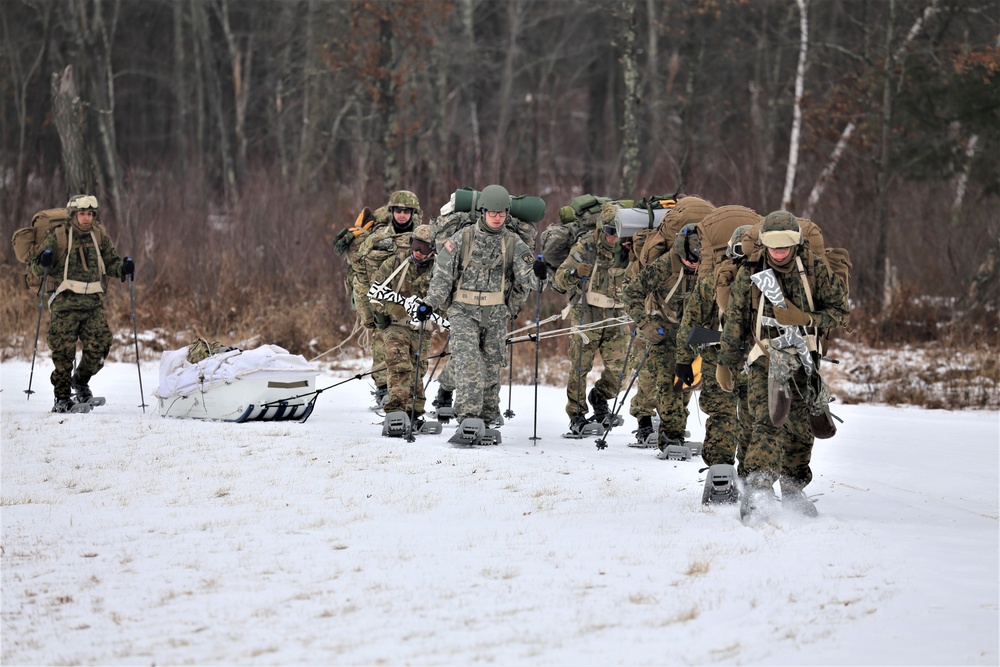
657, 242
26, 241
559, 237
714, 232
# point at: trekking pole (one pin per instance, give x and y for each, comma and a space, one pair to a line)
538, 324
38, 329
444, 353
621, 376
508, 413
602, 442
416, 382
135, 339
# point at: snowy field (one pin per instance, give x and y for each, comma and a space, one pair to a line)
128, 538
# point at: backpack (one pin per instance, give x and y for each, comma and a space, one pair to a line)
558, 238
27, 239
661, 239
714, 232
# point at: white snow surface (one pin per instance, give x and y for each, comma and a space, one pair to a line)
128, 538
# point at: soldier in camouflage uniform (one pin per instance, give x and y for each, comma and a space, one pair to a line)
483, 274
727, 426
445, 226
408, 272
402, 213
655, 301
816, 304
589, 271
84, 256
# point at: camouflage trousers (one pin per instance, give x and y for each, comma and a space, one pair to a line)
671, 405
645, 397
611, 342
478, 357
777, 453
401, 367
66, 327
728, 424
447, 377
359, 298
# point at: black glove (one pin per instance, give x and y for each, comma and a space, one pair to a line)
46, 259
382, 320
424, 312
540, 268
683, 375
128, 268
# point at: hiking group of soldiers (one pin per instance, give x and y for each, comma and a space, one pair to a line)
759, 382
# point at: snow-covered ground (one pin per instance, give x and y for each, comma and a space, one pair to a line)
128, 538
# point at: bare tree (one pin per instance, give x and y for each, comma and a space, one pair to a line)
800, 76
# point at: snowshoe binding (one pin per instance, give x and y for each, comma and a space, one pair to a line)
673, 450
442, 402
397, 424
795, 500
381, 395
758, 504
69, 406
83, 394
645, 435
470, 432
580, 427
720, 485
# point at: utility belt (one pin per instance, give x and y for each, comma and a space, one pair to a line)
474, 298
599, 300
77, 286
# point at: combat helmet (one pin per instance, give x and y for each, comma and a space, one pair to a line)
687, 244
734, 249
780, 229
82, 203
494, 198
422, 241
609, 211
405, 199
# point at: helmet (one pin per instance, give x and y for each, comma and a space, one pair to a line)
404, 199
567, 214
780, 229
423, 233
734, 249
493, 198
82, 203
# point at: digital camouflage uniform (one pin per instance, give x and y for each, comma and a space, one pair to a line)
77, 316
778, 453
725, 427
401, 336
479, 333
445, 227
603, 289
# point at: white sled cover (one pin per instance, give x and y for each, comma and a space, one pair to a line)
266, 383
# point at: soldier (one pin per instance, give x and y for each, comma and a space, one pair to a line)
82, 252
589, 270
408, 273
483, 276
726, 426
782, 392
400, 215
655, 299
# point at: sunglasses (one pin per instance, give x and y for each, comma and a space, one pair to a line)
402, 209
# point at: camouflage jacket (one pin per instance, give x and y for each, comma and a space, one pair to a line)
412, 280
445, 226
375, 249
645, 296
83, 267
355, 260
605, 280
486, 270
830, 306
700, 310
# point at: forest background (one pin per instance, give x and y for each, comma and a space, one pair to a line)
230, 141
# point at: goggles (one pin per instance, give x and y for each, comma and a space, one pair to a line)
610, 230
89, 201
423, 247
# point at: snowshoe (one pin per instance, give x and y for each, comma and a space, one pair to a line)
381, 395
611, 421
491, 436
720, 485
470, 432
427, 427
797, 501
396, 424
695, 447
644, 433
758, 504
580, 427
69, 406
83, 394
674, 450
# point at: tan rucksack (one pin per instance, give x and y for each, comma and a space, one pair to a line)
716, 229
688, 211
26, 241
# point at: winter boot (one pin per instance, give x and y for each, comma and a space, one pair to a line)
63, 405
81, 389
795, 500
443, 399
758, 502
576, 424
643, 432
599, 404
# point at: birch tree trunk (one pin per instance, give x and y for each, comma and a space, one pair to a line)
800, 76
630, 125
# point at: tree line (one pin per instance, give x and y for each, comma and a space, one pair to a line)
243, 134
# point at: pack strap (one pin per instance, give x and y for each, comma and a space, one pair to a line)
597, 299
78, 286
475, 297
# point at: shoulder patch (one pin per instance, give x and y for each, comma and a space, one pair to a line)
527, 258
449, 246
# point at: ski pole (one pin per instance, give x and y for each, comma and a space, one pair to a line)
602, 442
621, 376
135, 339
38, 329
508, 413
416, 382
580, 380
538, 324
